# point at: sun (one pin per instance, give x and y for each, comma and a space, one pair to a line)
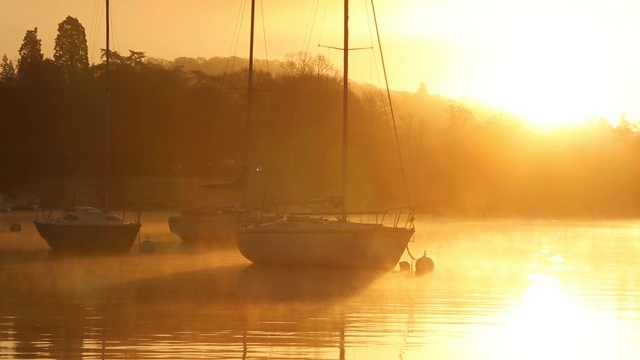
557, 71
549, 64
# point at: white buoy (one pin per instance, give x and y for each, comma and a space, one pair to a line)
424, 265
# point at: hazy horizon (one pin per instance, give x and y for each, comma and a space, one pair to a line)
577, 58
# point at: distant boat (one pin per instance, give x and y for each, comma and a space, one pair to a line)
25, 201
314, 240
217, 224
87, 229
214, 224
6, 204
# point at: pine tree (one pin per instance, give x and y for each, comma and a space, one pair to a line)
7, 71
70, 51
30, 52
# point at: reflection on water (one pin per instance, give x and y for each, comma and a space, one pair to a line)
500, 290
301, 283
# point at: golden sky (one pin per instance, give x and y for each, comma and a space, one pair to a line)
553, 60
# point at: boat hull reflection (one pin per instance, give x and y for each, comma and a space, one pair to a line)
299, 283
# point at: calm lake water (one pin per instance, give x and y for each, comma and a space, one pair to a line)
501, 289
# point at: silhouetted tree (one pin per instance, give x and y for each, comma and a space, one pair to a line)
459, 118
30, 52
7, 71
464, 158
422, 89
628, 132
136, 58
70, 51
304, 64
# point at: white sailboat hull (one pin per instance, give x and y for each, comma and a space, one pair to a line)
324, 243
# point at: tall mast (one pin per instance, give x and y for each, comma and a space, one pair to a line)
106, 121
250, 85
249, 97
345, 109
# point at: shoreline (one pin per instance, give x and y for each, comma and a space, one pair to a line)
144, 193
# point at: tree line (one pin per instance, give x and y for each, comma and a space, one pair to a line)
188, 118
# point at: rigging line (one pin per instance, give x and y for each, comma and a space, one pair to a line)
333, 106
232, 50
310, 25
219, 90
324, 16
303, 57
378, 95
395, 129
236, 34
97, 14
297, 82
373, 63
296, 93
350, 49
114, 32
264, 36
320, 35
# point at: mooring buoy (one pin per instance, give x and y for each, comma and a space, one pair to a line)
424, 265
147, 246
15, 227
404, 266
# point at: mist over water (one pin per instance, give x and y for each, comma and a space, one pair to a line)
501, 289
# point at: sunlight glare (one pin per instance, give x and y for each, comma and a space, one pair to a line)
548, 323
558, 71
548, 63
551, 324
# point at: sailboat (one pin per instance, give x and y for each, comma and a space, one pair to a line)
85, 228
213, 223
216, 224
319, 241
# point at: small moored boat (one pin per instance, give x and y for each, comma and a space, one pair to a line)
88, 229
5, 203
85, 228
215, 224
